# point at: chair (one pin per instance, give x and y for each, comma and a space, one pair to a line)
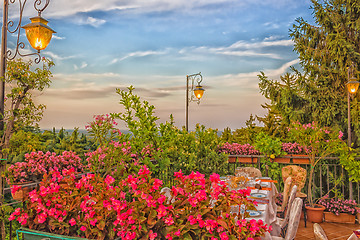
286, 194
283, 223
294, 220
167, 193
250, 171
298, 175
319, 232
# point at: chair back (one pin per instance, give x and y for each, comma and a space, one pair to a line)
294, 219
289, 206
251, 172
167, 193
286, 193
319, 232
297, 173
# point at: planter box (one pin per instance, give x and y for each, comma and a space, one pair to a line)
285, 159
247, 159
231, 159
341, 218
301, 160
29, 234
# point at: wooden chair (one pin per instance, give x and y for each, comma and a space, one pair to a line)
298, 175
283, 222
319, 232
294, 220
250, 171
286, 194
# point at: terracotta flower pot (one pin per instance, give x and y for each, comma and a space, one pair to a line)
358, 214
341, 218
21, 193
315, 214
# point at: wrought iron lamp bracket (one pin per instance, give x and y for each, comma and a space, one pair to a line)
194, 78
39, 6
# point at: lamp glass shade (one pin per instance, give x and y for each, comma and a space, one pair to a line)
199, 92
352, 86
38, 33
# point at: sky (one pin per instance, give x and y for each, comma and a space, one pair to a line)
153, 45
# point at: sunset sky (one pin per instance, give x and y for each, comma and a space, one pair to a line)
153, 44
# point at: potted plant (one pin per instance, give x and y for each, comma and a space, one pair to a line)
296, 152
339, 210
322, 142
21, 174
95, 207
246, 150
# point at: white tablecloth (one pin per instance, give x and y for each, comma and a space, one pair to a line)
268, 210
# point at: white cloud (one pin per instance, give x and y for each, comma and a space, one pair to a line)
54, 36
63, 8
137, 54
91, 21
242, 49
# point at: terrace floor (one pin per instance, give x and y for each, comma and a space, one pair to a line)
334, 231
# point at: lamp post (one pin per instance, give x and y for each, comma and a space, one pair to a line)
352, 87
195, 93
39, 36
37, 33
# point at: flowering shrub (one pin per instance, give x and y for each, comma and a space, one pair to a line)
322, 141
238, 149
37, 164
103, 129
295, 148
115, 159
338, 206
94, 207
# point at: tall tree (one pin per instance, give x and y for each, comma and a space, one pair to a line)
326, 51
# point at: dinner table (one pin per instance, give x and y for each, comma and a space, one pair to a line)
263, 192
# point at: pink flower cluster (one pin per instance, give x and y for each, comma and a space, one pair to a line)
238, 149
95, 208
338, 205
37, 164
295, 148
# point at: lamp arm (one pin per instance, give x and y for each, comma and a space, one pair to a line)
194, 77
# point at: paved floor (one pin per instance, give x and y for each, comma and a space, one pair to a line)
334, 231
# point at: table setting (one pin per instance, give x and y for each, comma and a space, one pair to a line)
263, 192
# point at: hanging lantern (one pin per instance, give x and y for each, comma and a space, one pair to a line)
352, 86
199, 91
38, 33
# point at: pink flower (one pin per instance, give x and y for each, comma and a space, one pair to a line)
72, 222
83, 228
152, 235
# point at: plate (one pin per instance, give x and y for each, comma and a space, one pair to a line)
258, 195
253, 213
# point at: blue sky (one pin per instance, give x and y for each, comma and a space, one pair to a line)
153, 44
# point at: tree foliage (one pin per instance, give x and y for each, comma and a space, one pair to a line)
20, 108
326, 51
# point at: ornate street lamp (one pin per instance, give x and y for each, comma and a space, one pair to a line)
39, 36
352, 87
193, 93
